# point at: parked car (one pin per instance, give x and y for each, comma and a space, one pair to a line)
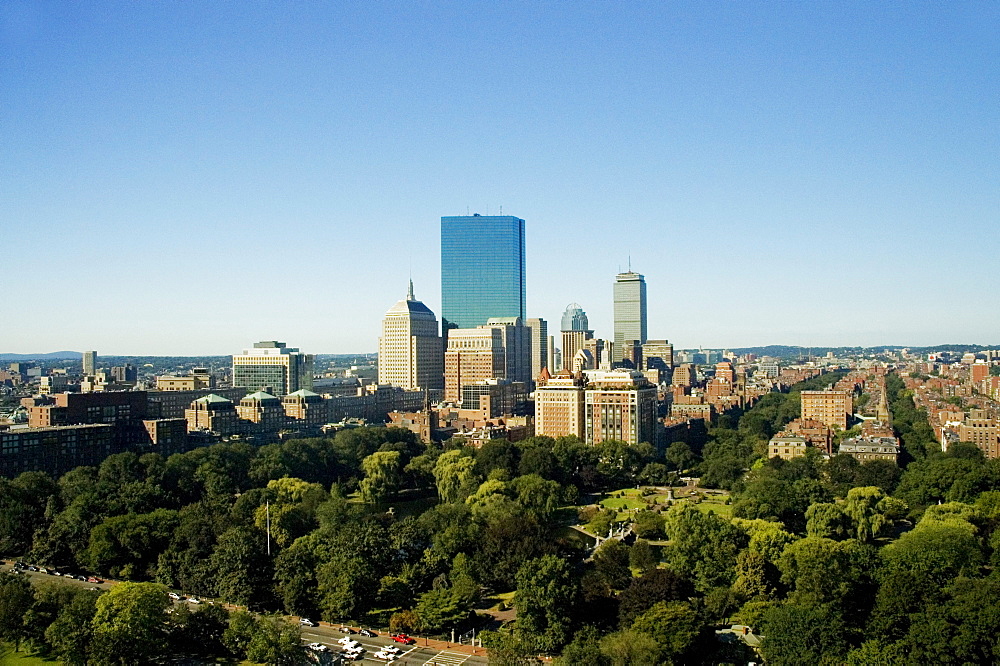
404, 639
94, 579
175, 596
306, 622
368, 632
194, 600
346, 630
391, 648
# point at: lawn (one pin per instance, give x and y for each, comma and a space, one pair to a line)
10, 658
716, 506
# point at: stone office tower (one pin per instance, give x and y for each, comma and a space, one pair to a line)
410, 351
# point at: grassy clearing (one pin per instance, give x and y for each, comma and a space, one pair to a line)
10, 658
716, 506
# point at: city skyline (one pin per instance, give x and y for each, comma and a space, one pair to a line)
802, 175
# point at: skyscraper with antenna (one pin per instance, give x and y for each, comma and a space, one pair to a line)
630, 311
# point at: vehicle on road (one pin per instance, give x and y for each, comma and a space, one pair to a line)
94, 579
391, 648
348, 642
346, 630
194, 600
351, 656
318, 647
368, 632
306, 622
404, 639
175, 596
386, 655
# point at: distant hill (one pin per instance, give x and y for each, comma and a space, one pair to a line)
51, 356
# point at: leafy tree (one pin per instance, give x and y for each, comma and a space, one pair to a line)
876, 653
822, 571
508, 648
240, 631
703, 547
655, 474
441, 608
498, 454
648, 525
641, 556
382, 476
797, 634
962, 629
242, 568
455, 475
15, 599
827, 521
546, 592
680, 455
941, 551
129, 624
584, 649
70, 634
204, 630
276, 641
611, 560
862, 507
537, 494
23, 502
631, 648
674, 624
129, 546
649, 589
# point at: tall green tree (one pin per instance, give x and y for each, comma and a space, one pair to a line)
546, 593
15, 599
382, 476
130, 624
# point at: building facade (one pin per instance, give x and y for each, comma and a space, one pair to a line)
273, 367
630, 311
620, 405
410, 351
473, 355
831, 407
539, 345
89, 362
559, 406
482, 270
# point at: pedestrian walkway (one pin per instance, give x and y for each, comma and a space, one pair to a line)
445, 658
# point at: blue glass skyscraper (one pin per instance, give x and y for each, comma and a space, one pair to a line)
482, 269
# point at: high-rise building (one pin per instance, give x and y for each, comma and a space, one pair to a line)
271, 366
473, 355
630, 311
620, 405
499, 349
830, 407
89, 362
574, 318
658, 355
516, 347
410, 351
559, 406
482, 270
572, 342
539, 345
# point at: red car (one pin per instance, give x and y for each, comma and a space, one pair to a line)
404, 639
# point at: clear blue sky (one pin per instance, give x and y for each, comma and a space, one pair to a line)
187, 178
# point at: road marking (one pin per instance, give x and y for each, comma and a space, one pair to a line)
448, 659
